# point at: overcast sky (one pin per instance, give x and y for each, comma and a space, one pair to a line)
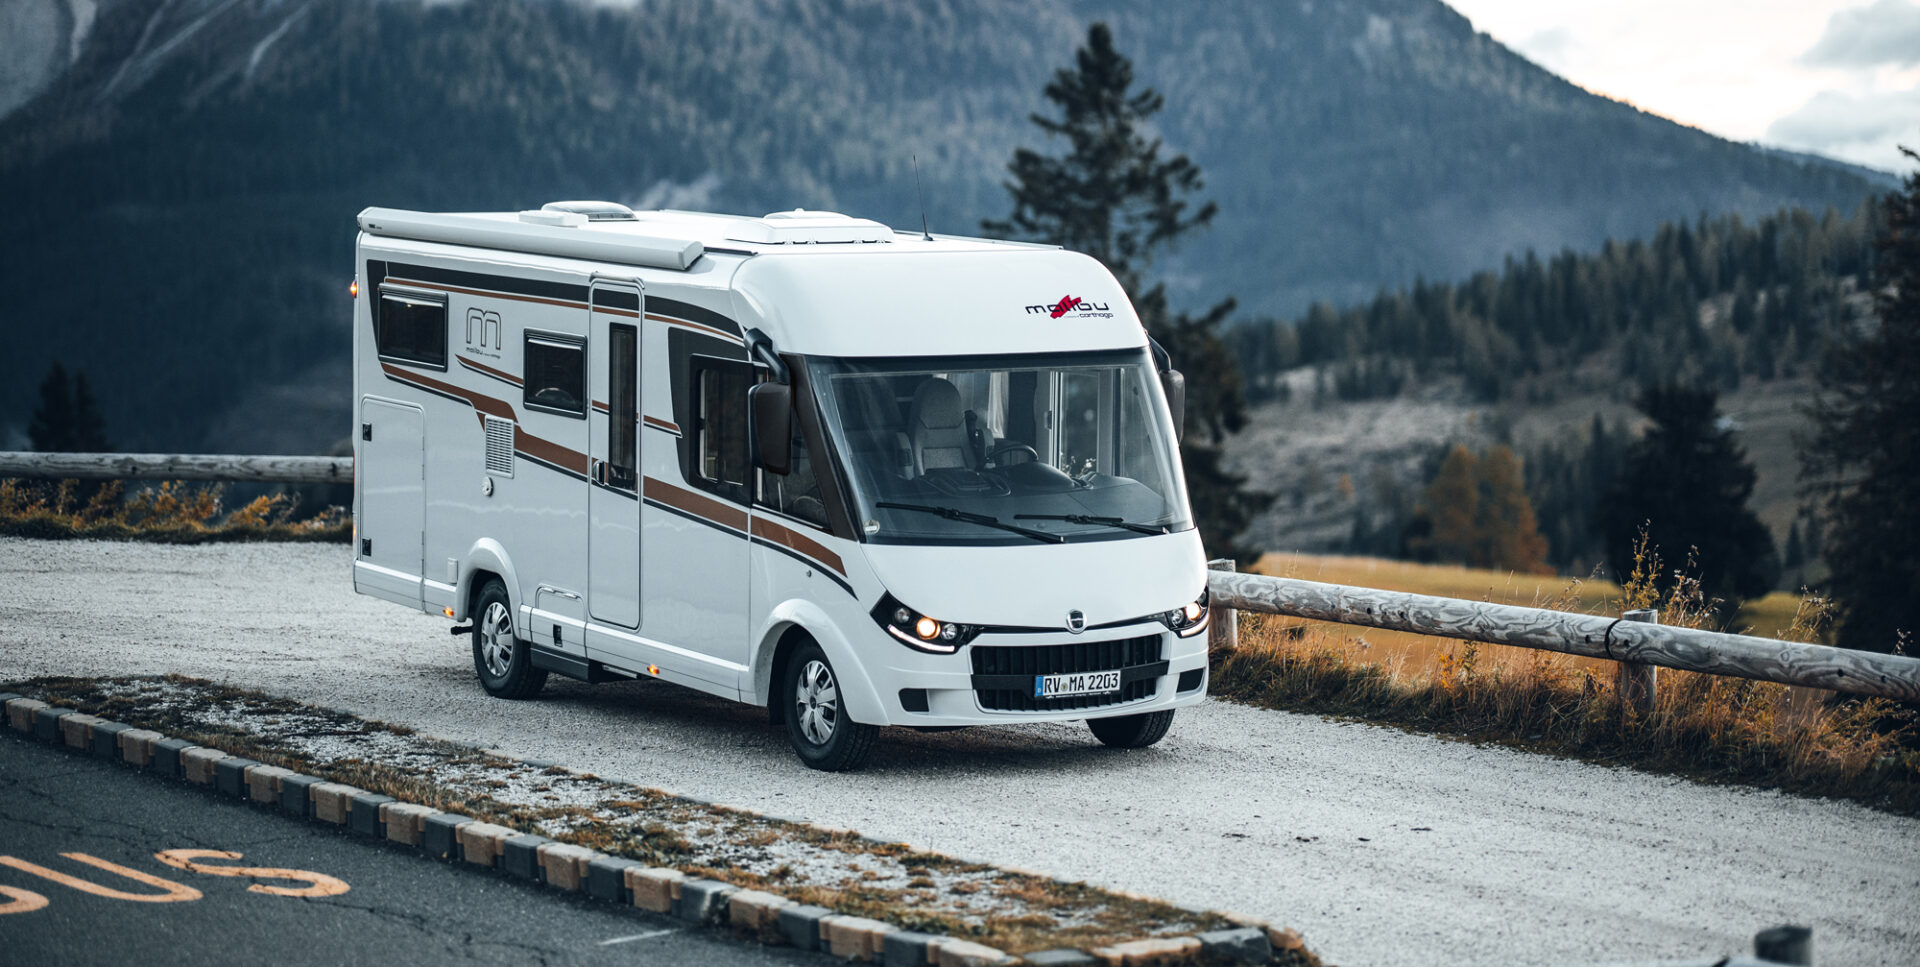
1838, 77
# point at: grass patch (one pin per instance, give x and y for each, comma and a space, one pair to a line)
1705, 727
168, 513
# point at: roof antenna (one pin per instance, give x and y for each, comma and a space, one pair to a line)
923, 199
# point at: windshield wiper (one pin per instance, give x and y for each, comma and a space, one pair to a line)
955, 513
1087, 519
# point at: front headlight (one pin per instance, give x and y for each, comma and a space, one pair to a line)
918, 631
1189, 619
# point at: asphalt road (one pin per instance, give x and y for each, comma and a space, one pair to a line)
1381, 846
378, 905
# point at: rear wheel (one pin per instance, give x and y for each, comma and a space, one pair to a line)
1132, 731
817, 723
503, 661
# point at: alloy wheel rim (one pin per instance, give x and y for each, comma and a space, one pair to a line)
496, 639
817, 703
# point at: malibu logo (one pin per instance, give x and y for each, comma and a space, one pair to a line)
1071, 303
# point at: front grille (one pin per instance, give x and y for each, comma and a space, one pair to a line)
1089, 656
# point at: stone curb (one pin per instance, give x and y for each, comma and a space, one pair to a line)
449, 837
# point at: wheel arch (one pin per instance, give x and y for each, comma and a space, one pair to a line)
793, 622
486, 559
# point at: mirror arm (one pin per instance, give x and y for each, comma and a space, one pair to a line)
761, 348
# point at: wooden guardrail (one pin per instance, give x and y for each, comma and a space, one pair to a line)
173, 466
1631, 641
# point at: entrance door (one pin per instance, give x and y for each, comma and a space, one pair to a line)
613, 487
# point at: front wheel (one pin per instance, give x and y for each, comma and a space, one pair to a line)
1132, 731
817, 723
503, 661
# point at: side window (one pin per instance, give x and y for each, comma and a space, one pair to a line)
556, 374
411, 327
720, 425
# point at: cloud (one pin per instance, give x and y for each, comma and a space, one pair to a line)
1865, 128
1888, 32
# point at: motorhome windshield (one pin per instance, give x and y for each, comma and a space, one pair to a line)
1004, 449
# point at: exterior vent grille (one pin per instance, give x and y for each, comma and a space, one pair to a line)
499, 446
1003, 676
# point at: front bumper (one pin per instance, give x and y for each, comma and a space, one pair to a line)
990, 681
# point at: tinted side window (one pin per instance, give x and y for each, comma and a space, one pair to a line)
720, 425
411, 328
556, 374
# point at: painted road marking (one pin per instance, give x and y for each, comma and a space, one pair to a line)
649, 935
172, 892
17, 900
20, 901
319, 884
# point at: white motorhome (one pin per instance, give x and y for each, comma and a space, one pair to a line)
861, 477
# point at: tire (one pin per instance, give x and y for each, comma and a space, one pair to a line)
1132, 731
817, 725
503, 661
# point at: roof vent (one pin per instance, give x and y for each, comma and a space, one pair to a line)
801, 226
596, 211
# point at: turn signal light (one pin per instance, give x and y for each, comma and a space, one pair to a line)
653, 669
353, 289
448, 611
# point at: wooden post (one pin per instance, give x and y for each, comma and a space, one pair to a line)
1638, 682
1223, 632
1784, 945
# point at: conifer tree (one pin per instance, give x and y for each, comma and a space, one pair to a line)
1115, 197
1687, 482
1861, 462
1452, 505
1509, 535
67, 419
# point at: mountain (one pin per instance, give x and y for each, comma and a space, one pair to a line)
181, 180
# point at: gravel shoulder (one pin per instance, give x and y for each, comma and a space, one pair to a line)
1382, 847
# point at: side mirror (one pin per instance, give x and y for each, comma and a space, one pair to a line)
770, 426
1174, 386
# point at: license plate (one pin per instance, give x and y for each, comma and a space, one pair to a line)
1076, 683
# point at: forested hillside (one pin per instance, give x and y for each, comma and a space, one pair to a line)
180, 195
1545, 356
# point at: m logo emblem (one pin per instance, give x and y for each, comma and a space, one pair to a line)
1076, 621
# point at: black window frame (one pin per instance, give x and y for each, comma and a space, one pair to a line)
560, 341
382, 323
698, 369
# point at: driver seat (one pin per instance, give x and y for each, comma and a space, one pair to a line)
937, 428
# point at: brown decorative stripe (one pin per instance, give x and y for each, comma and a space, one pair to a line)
567, 303
546, 451
800, 543
660, 424
599, 407
485, 370
609, 310
483, 403
706, 508
697, 327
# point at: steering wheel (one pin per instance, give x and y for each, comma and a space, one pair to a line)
994, 456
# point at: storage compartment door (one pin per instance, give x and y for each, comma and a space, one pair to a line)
391, 525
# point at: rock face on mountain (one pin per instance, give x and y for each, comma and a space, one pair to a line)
181, 178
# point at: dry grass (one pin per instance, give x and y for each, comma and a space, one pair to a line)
1704, 726
170, 513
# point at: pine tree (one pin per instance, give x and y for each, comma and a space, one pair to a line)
67, 418
1114, 197
1861, 463
1509, 536
1687, 482
1452, 506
